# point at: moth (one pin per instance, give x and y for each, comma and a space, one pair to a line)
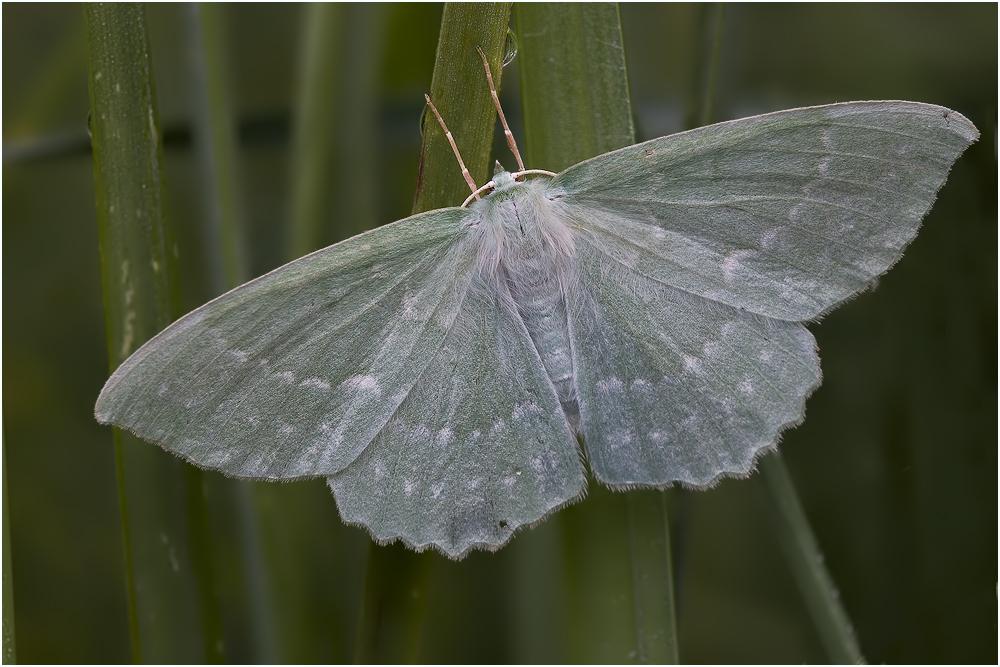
641, 312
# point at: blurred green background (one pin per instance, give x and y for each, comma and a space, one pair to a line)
896, 463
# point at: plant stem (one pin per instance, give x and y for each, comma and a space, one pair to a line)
576, 104
805, 560
234, 532
712, 73
392, 608
172, 611
216, 143
462, 96
315, 124
396, 579
652, 578
9, 644
574, 83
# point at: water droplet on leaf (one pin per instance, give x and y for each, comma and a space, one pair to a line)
509, 47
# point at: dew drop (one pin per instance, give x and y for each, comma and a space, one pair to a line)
517, 471
509, 47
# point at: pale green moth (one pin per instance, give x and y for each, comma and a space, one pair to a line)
449, 372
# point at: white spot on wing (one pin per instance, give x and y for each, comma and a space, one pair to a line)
408, 486
524, 409
410, 311
610, 386
767, 238
746, 387
692, 364
732, 263
287, 376
363, 383
316, 383
437, 489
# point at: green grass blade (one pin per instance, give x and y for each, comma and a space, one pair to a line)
395, 597
805, 560
461, 95
574, 85
241, 573
172, 613
334, 167
217, 146
794, 533
314, 125
652, 578
9, 644
396, 579
576, 104
701, 104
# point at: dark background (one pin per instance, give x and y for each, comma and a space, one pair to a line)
896, 463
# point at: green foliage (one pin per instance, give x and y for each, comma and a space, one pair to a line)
173, 614
895, 463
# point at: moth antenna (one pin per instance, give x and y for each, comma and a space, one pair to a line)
451, 140
475, 193
496, 101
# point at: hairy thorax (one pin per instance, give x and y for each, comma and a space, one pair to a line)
525, 249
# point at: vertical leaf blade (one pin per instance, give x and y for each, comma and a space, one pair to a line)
172, 615
576, 104
806, 563
241, 576
396, 579
9, 643
574, 83
460, 93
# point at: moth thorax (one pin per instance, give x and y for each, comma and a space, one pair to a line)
524, 234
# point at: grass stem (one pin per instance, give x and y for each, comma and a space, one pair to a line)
807, 565
174, 616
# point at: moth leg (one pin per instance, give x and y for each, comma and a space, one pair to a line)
451, 140
496, 101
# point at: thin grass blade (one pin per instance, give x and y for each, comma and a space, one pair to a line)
460, 93
396, 579
241, 575
9, 643
576, 104
172, 610
805, 560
